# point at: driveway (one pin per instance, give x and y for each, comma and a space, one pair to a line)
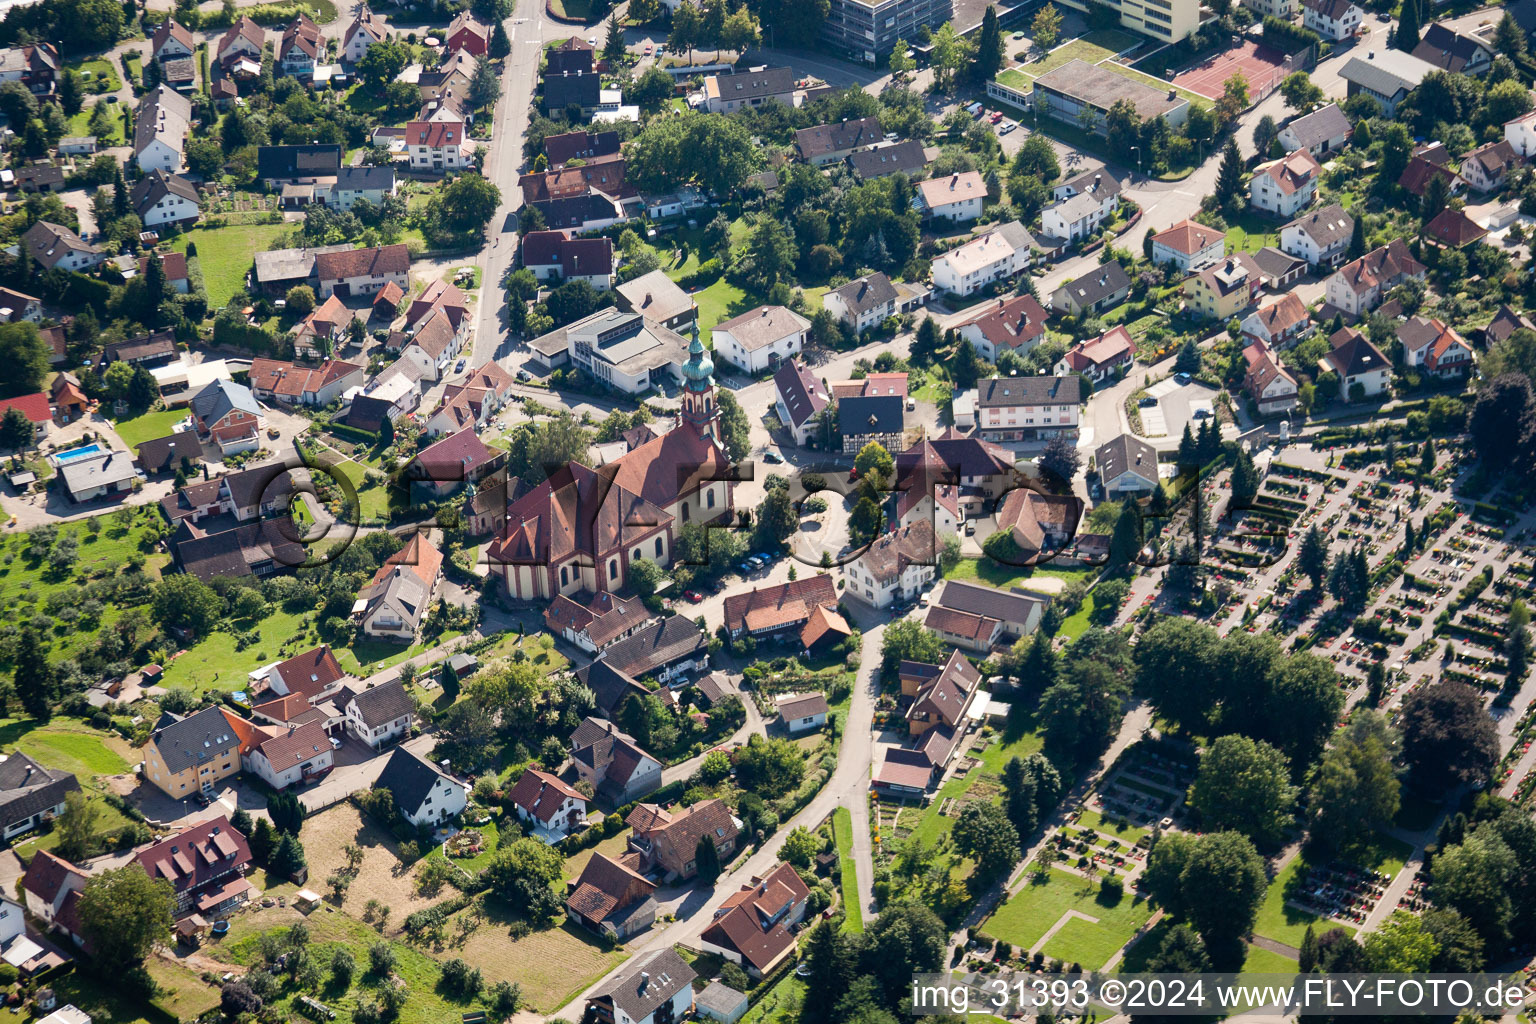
358, 775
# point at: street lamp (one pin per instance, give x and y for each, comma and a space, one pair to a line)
1137, 151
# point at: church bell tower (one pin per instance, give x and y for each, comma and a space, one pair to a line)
700, 413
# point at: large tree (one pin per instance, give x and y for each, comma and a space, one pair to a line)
124, 914
1174, 661
984, 833
989, 57
1083, 709
522, 873
1448, 738
24, 358
1244, 785
1356, 788
1222, 884
1501, 419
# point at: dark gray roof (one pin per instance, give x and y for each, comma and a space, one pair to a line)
1002, 391
196, 739
1319, 127
366, 178
652, 979
156, 185
222, 546
162, 453
751, 85
870, 414
832, 138
1101, 281
316, 159
408, 778
382, 703
1446, 48
221, 396
560, 91
1326, 226
26, 787
802, 393
1386, 72
609, 686
1098, 183
906, 156
1126, 453
656, 646
1277, 265
977, 599
866, 293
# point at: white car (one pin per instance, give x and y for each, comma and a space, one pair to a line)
335, 743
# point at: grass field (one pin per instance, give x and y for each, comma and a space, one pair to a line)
1090, 48
984, 570
553, 965
842, 831
1025, 918
76, 747
138, 429
1121, 830
101, 70
182, 995
1249, 232
1278, 920
226, 254
785, 996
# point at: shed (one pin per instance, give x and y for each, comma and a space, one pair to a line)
306, 900
720, 1002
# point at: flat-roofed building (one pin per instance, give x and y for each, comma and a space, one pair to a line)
1076, 86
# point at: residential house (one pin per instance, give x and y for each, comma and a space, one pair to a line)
832, 143
15, 305
1103, 287
467, 33
1460, 53
765, 613
611, 898
1101, 358
1269, 384
895, 567
174, 266
595, 622
228, 414
1082, 205
377, 715
1385, 75
160, 130
358, 272
556, 256
439, 147
205, 864
941, 700
871, 419
1284, 186
668, 841
1283, 9
171, 41
1016, 612
656, 988
551, 808
1127, 467
66, 398
51, 888
424, 796
799, 400
590, 147
994, 256
1188, 246
1521, 134
394, 603
300, 47
470, 403
566, 89
185, 756
34, 407
905, 157
657, 297
308, 675
36, 65
871, 385
864, 302
1432, 345
1360, 285
290, 384
1362, 370
98, 476
313, 163
241, 45
1334, 20
1453, 229
1039, 523
325, 330
56, 247
245, 496
1504, 323
1427, 163
752, 927
1224, 290
1016, 324
665, 651
726, 93
366, 29
803, 712
761, 339
1280, 324
30, 794
958, 197
1325, 130
297, 754
1487, 168
1321, 236
1027, 408
457, 461
575, 55
358, 184
609, 761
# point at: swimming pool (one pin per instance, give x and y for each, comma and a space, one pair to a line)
75, 454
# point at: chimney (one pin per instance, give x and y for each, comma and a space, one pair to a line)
645, 980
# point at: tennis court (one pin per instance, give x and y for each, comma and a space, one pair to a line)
1263, 68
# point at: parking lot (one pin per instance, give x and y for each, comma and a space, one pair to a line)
1177, 404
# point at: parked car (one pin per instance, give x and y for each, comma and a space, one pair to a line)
1182, 378
693, 596
1010, 126
772, 458
1147, 401
459, 366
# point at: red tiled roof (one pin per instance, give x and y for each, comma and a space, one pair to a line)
34, 406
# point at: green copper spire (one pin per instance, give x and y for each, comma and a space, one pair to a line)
698, 371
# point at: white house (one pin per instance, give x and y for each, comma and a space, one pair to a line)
160, 198
1322, 131
160, 130
995, 256
1285, 186
656, 988
1189, 246
549, 805
957, 197
762, 338
1321, 236
358, 272
1269, 384
437, 147
1361, 367
377, 715
1127, 467
799, 397
1083, 204
1017, 324
1027, 408
1359, 286
1335, 20
366, 29
297, 753
803, 712
423, 795
895, 567
1433, 346
863, 302
1521, 133
56, 247
1279, 324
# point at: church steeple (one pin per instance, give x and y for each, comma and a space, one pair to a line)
699, 409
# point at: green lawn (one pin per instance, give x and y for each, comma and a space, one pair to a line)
1249, 232
785, 995
1085, 48
842, 830
1025, 918
150, 425
1119, 828
1284, 923
74, 747
80, 124
984, 570
226, 254
101, 70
